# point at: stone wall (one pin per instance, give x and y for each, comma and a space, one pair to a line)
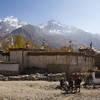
97, 61
16, 56
20, 55
52, 61
9, 69
4, 58
61, 63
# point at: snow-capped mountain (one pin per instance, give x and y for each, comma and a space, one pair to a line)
55, 33
9, 24
55, 27
50, 24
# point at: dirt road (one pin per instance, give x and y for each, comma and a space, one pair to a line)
41, 90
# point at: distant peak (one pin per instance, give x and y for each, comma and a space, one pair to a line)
10, 23
13, 21
9, 18
54, 21
51, 22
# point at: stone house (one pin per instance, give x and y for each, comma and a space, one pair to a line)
51, 61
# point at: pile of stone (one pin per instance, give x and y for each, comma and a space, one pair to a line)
2, 78
34, 77
38, 76
15, 78
56, 77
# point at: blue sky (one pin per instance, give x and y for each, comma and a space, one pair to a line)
84, 14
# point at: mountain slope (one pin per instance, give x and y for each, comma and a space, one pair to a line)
57, 35
9, 24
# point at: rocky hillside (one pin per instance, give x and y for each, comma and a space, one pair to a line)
53, 32
8, 24
57, 34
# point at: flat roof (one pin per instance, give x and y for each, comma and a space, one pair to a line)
56, 53
39, 52
26, 49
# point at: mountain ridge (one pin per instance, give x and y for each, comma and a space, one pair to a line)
8, 24
56, 40
56, 34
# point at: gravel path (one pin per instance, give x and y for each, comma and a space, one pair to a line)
41, 90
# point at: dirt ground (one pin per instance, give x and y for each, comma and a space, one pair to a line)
42, 90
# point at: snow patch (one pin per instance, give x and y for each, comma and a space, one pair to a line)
14, 22
7, 30
53, 22
55, 31
56, 23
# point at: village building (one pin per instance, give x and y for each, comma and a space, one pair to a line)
34, 60
51, 61
97, 61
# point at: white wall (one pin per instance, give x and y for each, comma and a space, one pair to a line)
9, 67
